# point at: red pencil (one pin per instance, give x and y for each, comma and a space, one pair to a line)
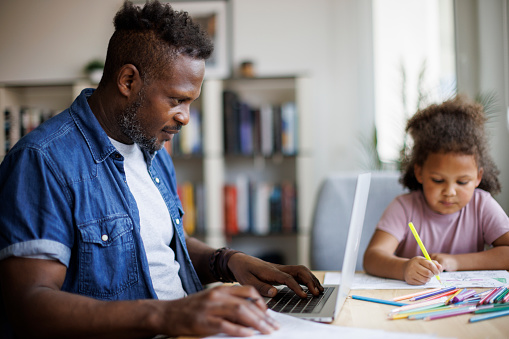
483, 300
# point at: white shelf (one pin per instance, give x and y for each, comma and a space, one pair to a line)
213, 168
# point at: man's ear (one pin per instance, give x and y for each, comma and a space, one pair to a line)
479, 176
129, 80
418, 173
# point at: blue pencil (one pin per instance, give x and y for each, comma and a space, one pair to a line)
380, 301
488, 316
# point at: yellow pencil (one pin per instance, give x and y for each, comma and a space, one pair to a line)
421, 245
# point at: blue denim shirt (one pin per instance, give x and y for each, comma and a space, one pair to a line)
63, 192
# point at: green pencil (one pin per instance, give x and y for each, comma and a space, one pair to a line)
493, 309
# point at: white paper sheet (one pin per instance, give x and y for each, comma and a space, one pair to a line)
460, 279
291, 327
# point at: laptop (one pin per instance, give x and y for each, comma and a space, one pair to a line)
325, 307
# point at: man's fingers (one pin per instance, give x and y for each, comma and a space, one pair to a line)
246, 313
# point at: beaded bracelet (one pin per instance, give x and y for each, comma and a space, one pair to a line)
218, 264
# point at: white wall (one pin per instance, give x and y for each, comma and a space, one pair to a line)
483, 62
52, 39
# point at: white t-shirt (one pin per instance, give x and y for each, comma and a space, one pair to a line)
479, 223
155, 224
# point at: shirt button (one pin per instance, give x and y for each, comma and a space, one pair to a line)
177, 221
157, 180
104, 237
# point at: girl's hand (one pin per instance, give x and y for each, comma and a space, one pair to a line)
419, 270
448, 261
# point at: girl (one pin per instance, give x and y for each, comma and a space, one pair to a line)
451, 177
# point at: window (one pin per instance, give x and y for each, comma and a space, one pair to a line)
414, 55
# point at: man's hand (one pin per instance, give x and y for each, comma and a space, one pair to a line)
419, 270
234, 310
262, 275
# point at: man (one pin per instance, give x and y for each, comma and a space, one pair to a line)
91, 239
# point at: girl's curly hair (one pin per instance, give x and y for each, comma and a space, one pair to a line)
454, 126
150, 37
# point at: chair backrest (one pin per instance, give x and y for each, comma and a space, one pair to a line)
333, 210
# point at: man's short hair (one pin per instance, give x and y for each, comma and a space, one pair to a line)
150, 37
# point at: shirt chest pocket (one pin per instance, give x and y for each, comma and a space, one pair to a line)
107, 257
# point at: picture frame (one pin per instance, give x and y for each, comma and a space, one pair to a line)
212, 15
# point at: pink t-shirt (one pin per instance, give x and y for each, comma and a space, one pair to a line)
480, 222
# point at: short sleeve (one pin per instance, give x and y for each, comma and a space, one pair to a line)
394, 219
36, 218
495, 221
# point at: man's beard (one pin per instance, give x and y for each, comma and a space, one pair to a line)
131, 126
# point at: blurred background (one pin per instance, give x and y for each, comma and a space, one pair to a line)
370, 64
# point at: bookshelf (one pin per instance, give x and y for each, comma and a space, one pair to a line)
221, 163
30, 103
209, 168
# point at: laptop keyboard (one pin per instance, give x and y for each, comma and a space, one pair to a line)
286, 301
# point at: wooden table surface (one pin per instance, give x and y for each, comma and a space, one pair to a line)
364, 314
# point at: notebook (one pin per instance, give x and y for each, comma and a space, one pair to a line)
325, 307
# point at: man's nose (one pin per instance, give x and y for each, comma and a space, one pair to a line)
182, 116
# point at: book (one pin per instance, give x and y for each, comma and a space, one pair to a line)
242, 185
275, 209
266, 124
289, 128
230, 210
262, 213
245, 129
199, 198
277, 129
231, 117
186, 193
289, 207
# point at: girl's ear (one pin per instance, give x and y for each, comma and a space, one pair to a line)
479, 176
418, 173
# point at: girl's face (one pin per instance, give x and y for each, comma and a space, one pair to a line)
448, 180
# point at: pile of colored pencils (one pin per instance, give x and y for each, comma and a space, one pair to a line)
440, 303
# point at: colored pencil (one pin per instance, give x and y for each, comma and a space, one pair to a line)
449, 310
406, 314
462, 296
497, 295
485, 307
506, 298
424, 296
502, 295
420, 304
453, 313
380, 301
487, 296
492, 309
419, 309
448, 301
421, 245
442, 294
488, 316
408, 296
